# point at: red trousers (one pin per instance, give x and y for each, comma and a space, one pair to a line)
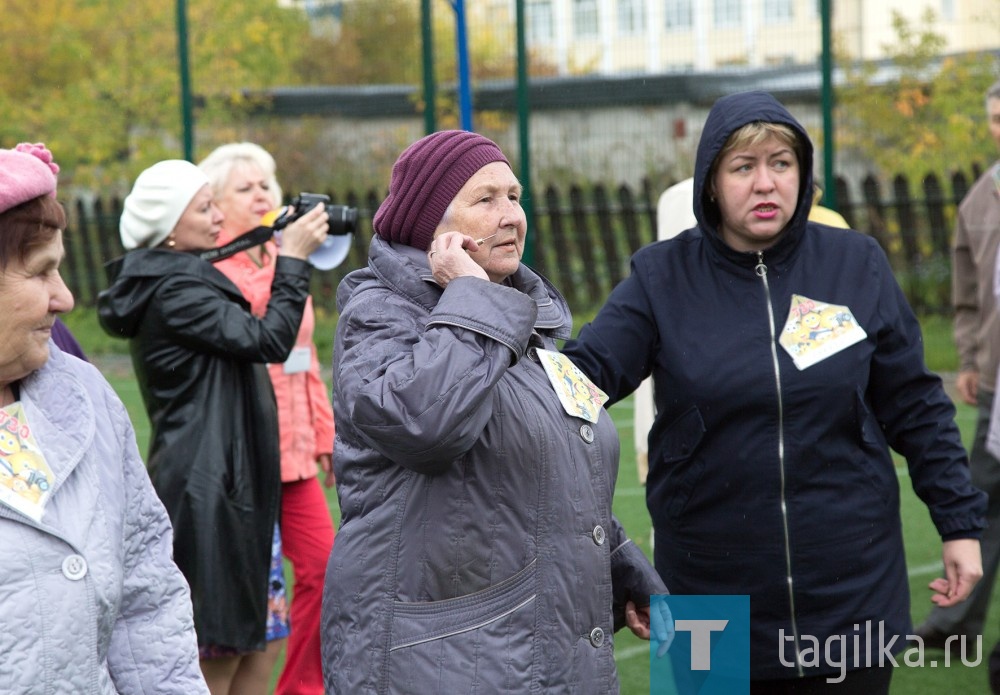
307, 539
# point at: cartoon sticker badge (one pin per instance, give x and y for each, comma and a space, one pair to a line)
25, 477
816, 330
579, 396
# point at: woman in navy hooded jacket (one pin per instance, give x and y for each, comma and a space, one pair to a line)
786, 363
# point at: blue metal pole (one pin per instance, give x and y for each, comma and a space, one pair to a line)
464, 82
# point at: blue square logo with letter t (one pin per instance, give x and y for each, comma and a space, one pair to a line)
710, 654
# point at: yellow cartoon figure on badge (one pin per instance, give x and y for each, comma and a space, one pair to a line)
29, 467
9, 443
26, 480
816, 330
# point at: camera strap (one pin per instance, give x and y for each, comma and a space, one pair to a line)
255, 237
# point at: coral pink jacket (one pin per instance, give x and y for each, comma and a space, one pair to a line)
305, 416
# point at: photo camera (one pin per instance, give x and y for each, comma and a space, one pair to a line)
342, 218
343, 222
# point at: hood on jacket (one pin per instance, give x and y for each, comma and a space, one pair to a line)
729, 114
134, 279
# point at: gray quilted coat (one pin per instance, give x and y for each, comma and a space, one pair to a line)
92, 602
477, 550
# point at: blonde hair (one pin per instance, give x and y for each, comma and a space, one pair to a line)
219, 165
753, 134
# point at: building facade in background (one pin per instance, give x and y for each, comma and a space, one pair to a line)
611, 37
655, 36
632, 82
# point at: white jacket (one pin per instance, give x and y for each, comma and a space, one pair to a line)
91, 598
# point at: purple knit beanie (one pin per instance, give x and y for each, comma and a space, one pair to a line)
425, 179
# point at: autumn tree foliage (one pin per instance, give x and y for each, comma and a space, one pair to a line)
375, 42
924, 113
98, 81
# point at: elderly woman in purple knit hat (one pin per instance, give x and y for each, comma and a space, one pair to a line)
475, 466
93, 602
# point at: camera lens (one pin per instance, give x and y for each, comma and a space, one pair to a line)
343, 219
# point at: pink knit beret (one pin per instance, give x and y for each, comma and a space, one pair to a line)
26, 172
425, 179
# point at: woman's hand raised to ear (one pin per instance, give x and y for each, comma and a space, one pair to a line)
449, 258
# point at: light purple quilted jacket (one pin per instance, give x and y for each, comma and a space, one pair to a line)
92, 600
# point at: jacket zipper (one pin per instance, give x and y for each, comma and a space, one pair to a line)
761, 270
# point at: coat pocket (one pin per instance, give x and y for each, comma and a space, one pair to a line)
682, 469
481, 640
875, 452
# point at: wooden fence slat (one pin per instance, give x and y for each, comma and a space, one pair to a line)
907, 221
875, 212
561, 273
73, 240
630, 219
537, 236
935, 201
959, 186
650, 200
584, 243
93, 246
612, 266
936, 267
844, 201
906, 218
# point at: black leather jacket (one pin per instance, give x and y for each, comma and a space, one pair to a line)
199, 355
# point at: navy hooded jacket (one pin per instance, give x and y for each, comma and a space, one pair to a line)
766, 478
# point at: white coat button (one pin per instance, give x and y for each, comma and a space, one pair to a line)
599, 535
74, 567
587, 433
597, 637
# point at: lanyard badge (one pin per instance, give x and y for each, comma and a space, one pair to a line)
578, 395
25, 477
816, 330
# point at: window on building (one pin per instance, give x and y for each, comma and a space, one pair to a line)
948, 10
728, 13
678, 14
630, 16
778, 11
585, 18
539, 27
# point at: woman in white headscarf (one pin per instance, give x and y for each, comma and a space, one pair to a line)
199, 354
